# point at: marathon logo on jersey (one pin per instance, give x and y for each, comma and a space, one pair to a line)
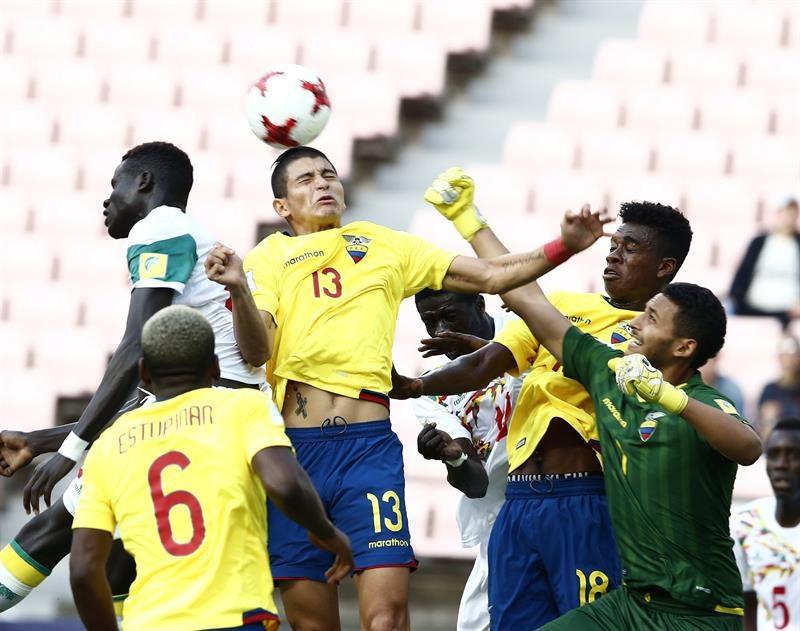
357, 246
314, 254
576, 319
649, 425
152, 265
621, 334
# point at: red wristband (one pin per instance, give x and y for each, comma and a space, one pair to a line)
556, 252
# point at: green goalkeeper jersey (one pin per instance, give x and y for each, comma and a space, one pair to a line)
669, 492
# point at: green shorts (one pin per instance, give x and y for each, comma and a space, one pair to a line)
626, 610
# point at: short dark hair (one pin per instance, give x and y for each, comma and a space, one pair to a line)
169, 166
700, 317
177, 340
434, 293
789, 424
672, 228
282, 162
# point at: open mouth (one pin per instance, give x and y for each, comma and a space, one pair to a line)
326, 199
610, 274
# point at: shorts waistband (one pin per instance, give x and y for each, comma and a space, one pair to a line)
338, 429
555, 485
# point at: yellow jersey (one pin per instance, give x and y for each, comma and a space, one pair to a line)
176, 478
546, 393
334, 296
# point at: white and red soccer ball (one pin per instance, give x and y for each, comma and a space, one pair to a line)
288, 106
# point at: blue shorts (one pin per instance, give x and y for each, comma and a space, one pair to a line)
357, 470
552, 549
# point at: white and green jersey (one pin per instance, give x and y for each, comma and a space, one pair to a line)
168, 248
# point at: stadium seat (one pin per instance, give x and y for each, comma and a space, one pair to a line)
747, 25
722, 200
651, 188
30, 170
17, 352
689, 156
301, 17
92, 127
28, 399
124, 43
500, 189
629, 63
74, 218
705, 68
183, 128
105, 313
415, 63
382, 17
29, 261
29, 124
235, 12
36, 39
16, 83
583, 105
172, 12
682, 22
373, 117
97, 168
553, 193
130, 87
65, 85
336, 51
27, 10
787, 117
461, 27
539, 146
766, 158
18, 215
256, 49
734, 112
658, 111
775, 73
44, 305
610, 152
188, 46
73, 359
87, 11
218, 88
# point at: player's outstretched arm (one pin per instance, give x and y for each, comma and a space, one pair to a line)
289, 487
17, 449
464, 469
254, 329
87, 576
119, 380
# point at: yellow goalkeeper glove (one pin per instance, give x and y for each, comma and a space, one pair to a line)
451, 193
636, 375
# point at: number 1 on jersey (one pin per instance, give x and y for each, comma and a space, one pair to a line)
334, 288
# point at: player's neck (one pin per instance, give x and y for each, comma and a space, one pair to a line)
787, 511
676, 374
169, 388
312, 228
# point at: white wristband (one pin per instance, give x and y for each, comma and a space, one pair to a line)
73, 447
458, 461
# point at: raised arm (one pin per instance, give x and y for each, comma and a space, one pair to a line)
290, 488
114, 390
254, 329
87, 576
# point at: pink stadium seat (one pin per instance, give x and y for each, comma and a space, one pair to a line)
553, 193
35, 170
183, 128
96, 168
227, 132
105, 312
690, 156
382, 17
17, 353
133, 86
415, 63
459, 26
657, 111
765, 158
28, 399
75, 218
539, 146
41, 38
124, 43
338, 50
16, 83
336, 141
220, 88
91, 127
26, 10
787, 117
28, 124
44, 306
775, 72
174, 11
254, 50
245, 13
86, 11
577, 105
376, 116
97, 264
300, 17
499, 190
629, 62
29, 261
705, 68
428, 223
682, 22
59, 85
663, 190
745, 25
734, 112
73, 359
610, 152
190, 45
18, 215
714, 202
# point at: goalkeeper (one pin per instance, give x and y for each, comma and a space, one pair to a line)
670, 447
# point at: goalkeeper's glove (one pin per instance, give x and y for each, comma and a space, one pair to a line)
451, 193
636, 375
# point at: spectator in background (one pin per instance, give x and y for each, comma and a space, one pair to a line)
726, 385
767, 282
781, 398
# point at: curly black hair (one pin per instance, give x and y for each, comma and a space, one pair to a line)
673, 232
433, 293
700, 317
282, 162
169, 166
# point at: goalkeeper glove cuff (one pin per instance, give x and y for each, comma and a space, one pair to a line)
469, 221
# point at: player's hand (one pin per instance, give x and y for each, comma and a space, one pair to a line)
44, 478
451, 343
224, 266
15, 452
580, 230
405, 387
452, 194
337, 544
635, 375
434, 444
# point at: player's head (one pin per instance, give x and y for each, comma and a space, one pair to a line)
308, 192
448, 311
786, 217
789, 356
178, 349
646, 251
682, 323
150, 175
782, 450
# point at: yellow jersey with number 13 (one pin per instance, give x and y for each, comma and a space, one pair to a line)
546, 393
334, 296
176, 477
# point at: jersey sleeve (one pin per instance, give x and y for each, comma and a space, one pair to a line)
517, 338
262, 277
738, 532
261, 424
712, 397
585, 358
94, 507
429, 410
161, 252
424, 264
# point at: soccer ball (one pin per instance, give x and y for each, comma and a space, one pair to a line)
288, 106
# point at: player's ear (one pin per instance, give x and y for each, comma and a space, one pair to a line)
144, 181
144, 374
666, 269
280, 207
684, 347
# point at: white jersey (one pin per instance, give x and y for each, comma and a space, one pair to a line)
481, 416
768, 556
168, 248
